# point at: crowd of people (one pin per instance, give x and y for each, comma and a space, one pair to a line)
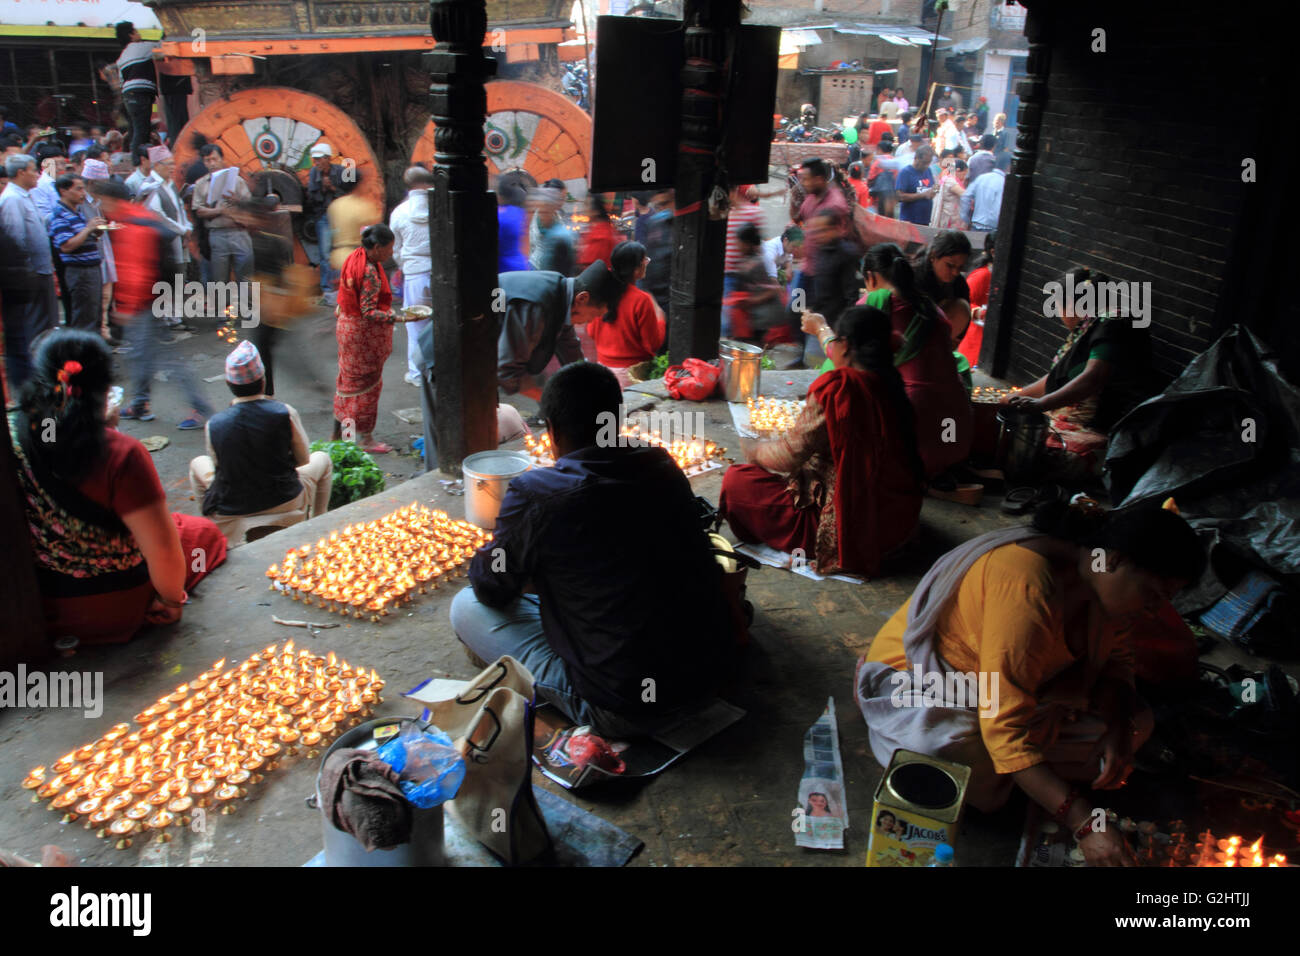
582, 302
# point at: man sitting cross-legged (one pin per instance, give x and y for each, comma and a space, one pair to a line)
623, 636
258, 470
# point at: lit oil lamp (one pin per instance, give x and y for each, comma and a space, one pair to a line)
34, 778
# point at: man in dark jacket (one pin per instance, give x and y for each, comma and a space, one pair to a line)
258, 469
536, 311
626, 640
324, 185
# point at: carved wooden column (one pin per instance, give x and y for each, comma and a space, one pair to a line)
699, 242
1017, 194
462, 235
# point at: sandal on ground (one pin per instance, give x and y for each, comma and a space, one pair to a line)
1022, 500
948, 488
378, 448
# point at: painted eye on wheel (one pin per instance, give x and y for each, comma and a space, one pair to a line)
267, 146
495, 141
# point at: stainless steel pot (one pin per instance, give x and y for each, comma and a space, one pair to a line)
425, 848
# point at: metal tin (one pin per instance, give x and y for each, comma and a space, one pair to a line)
741, 369
921, 799
425, 848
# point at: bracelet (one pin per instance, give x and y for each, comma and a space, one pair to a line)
1064, 809
172, 604
1085, 829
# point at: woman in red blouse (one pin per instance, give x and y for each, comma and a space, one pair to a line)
978, 281
844, 485
365, 336
598, 238
109, 555
633, 329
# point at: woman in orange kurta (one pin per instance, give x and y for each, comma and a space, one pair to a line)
365, 336
1037, 620
844, 485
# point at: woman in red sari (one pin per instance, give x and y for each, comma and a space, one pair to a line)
109, 555
844, 484
365, 335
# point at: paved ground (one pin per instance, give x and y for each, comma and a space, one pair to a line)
729, 803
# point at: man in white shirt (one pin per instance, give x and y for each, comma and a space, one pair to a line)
44, 194
947, 136
142, 169
32, 314
157, 193
410, 225
782, 251
904, 153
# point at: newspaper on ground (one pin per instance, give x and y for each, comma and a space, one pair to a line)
765, 554
822, 815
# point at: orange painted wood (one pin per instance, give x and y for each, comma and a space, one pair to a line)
332, 44
561, 145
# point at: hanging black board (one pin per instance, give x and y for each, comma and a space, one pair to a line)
638, 103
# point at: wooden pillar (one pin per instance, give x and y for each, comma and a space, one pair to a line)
1017, 195
699, 242
463, 235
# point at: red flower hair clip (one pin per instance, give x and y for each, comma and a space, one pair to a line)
69, 369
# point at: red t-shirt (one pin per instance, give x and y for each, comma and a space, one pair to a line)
877, 129
124, 479
978, 282
596, 242
634, 336
137, 252
860, 187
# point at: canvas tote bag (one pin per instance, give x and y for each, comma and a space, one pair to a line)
491, 722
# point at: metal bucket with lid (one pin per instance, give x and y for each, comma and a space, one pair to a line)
487, 476
425, 848
741, 368
1021, 441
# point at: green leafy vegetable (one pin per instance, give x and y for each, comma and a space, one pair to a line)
356, 475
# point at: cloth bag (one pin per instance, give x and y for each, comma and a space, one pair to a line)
491, 722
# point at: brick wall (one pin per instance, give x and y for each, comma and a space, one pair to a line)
1139, 169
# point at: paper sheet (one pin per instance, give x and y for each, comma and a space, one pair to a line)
785, 560
823, 813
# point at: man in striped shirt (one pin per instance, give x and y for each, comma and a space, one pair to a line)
744, 212
77, 240
139, 81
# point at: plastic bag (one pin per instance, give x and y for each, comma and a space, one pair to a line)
431, 768
694, 379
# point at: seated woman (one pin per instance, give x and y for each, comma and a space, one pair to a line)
938, 275
844, 485
109, 556
632, 329
1040, 620
1095, 379
924, 359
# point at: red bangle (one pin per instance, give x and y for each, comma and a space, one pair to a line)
1064, 809
1085, 829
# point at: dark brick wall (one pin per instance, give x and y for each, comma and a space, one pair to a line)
1139, 167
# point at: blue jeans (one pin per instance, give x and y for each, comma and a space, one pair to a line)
516, 629
148, 354
730, 283
324, 242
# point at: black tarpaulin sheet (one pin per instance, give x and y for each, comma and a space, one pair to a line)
1224, 440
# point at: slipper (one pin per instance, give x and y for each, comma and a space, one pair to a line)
964, 494
155, 443
378, 448
1019, 500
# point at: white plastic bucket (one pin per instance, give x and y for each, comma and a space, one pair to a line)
487, 475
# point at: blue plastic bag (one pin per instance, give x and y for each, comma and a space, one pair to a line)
430, 767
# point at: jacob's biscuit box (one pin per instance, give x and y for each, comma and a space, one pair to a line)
918, 806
